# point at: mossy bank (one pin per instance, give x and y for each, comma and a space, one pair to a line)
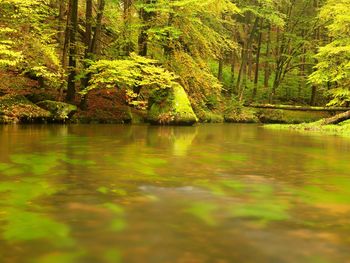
341, 129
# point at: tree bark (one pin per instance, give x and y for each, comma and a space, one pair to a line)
257, 63
143, 37
62, 11
243, 69
233, 64
268, 51
98, 29
88, 50
337, 118
297, 108
71, 90
220, 70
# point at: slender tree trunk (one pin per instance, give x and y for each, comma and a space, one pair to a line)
267, 57
257, 63
126, 17
88, 28
146, 17
313, 96
220, 70
250, 63
316, 37
88, 47
91, 41
62, 11
65, 47
233, 64
71, 90
98, 29
243, 69
279, 52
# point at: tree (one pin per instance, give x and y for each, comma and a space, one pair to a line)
72, 64
333, 67
26, 42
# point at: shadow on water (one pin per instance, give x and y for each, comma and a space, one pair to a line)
210, 193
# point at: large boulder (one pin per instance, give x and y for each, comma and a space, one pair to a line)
18, 109
60, 111
171, 107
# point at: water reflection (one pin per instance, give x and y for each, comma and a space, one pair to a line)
211, 193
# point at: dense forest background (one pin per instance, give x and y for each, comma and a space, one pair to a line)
223, 53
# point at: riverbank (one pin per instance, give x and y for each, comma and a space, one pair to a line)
106, 108
22, 102
341, 129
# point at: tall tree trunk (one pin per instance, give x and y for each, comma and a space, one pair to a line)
65, 46
88, 28
316, 37
98, 29
146, 17
91, 41
267, 57
127, 30
257, 63
88, 47
220, 69
279, 52
71, 90
233, 64
313, 96
250, 63
243, 69
61, 15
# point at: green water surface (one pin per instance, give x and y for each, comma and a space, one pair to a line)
139, 194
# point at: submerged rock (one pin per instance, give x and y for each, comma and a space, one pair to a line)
60, 111
171, 107
18, 109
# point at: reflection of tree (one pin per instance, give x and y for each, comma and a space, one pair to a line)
178, 138
29, 179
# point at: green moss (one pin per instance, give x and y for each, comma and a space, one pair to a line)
210, 117
241, 115
342, 129
60, 111
171, 107
289, 116
207, 115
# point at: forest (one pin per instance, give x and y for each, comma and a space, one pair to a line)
174, 131
173, 61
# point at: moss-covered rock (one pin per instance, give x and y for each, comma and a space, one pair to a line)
60, 111
210, 117
241, 115
171, 107
106, 115
36, 97
206, 115
18, 109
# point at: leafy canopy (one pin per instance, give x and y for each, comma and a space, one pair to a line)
333, 68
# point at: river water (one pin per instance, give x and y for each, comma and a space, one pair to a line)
211, 193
